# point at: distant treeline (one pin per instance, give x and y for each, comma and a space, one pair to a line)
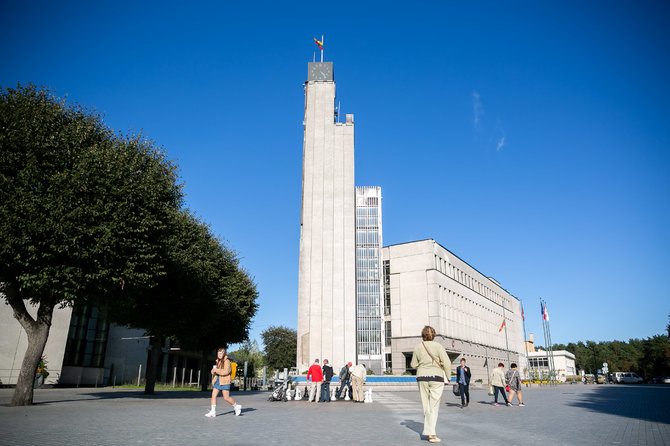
648, 358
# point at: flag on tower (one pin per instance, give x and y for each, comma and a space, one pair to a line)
501, 326
318, 43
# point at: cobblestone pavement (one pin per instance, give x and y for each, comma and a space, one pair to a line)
561, 415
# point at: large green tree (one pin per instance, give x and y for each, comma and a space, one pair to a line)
204, 300
281, 345
83, 213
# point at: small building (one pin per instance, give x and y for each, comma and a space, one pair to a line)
539, 363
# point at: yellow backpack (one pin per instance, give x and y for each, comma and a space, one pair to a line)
233, 370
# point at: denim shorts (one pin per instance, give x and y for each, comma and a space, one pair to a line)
221, 386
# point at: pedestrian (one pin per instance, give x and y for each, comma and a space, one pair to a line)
514, 383
463, 378
498, 383
358, 376
221, 383
345, 381
325, 387
430, 361
317, 378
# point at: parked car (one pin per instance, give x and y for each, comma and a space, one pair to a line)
626, 378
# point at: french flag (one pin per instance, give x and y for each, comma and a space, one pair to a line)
545, 313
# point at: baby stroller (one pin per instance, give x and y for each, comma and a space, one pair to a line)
279, 393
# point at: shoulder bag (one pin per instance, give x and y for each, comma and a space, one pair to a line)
446, 377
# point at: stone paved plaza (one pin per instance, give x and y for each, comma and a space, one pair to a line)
563, 415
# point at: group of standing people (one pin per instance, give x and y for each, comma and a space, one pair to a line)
433, 365
351, 378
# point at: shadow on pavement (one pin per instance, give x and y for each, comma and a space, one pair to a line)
160, 394
413, 425
644, 402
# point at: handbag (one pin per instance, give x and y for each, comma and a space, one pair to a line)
507, 387
490, 390
446, 379
457, 390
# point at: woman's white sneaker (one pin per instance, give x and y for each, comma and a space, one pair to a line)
238, 409
211, 414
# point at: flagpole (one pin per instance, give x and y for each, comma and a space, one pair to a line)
525, 346
488, 375
544, 330
506, 342
321, 47
551, 347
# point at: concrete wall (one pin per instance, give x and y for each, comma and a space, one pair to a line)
326, 282
431, 286
14, 342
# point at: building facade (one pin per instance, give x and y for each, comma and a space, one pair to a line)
327, 265
564, 365
426, 284
369, 290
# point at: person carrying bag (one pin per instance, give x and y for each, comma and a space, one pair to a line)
430, 359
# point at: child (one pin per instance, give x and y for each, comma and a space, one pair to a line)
221, 382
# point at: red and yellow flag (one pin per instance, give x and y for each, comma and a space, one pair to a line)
501, 326
319, 43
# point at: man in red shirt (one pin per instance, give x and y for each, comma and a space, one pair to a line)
317, 377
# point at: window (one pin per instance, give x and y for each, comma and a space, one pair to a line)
387, 333
87, 338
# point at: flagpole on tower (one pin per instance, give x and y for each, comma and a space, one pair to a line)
321, 47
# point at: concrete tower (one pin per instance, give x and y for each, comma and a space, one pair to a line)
327, 283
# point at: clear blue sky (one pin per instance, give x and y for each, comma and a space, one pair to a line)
530, 139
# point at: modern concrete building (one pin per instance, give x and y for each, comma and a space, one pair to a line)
369, 292
426, 284
327, 275
84, 349
14, 342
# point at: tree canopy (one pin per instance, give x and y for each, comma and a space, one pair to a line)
281, 345
647, 357
91, 216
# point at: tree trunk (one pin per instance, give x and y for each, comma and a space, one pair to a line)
205, 372
37, 331
152, 370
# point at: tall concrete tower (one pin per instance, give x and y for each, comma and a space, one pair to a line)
327, 282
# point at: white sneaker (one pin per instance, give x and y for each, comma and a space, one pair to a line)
211, 414
238, 409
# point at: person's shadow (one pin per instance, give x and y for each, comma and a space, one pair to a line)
242, 412
413, 425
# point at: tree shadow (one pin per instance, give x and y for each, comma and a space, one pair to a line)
644, 402
158, 395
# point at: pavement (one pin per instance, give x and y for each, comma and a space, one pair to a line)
566, 414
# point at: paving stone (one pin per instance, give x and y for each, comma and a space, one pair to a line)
558, 415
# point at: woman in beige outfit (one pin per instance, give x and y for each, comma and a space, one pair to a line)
430, 361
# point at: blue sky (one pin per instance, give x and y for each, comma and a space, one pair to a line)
530, 139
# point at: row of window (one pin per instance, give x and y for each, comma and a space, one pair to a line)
465, 279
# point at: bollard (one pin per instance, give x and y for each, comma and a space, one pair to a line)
139, 375
183, 374
174, 376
